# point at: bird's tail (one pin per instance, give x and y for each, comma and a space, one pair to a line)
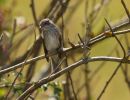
55, 63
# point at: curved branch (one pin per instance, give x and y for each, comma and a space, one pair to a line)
38, 84
66, 50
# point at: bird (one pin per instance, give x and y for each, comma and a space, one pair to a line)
52, 42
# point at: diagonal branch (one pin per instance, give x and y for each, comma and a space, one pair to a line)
32, 5
38, 84
115, 71
126, 9
66, 50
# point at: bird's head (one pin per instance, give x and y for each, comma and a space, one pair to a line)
45, 22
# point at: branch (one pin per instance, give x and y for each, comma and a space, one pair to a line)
34, 13
66, 50
15, 85
72, 85
117, 68
38, 84
126, 9
6, 97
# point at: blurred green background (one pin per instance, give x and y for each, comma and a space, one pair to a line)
113, 11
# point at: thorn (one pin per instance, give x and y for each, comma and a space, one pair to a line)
70, 43
80, 39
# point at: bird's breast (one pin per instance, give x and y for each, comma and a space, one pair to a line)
51, 41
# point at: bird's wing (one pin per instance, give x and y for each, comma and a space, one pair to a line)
45, 50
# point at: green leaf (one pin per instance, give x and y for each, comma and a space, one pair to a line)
45, 87
18, 89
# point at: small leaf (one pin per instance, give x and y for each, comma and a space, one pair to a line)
18, 89
45, 87
57, 90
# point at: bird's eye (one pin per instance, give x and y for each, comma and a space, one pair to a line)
46, 22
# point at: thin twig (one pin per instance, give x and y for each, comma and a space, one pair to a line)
6, 97
102, 64
36, 46
66, 50
123, 49
32, 5
22, 67
14, 30
126, 9
15, 85
115, 71
24, 28
30, 70
71, 81
66, 69
72, 85
124, 71
97, 69
108, 81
